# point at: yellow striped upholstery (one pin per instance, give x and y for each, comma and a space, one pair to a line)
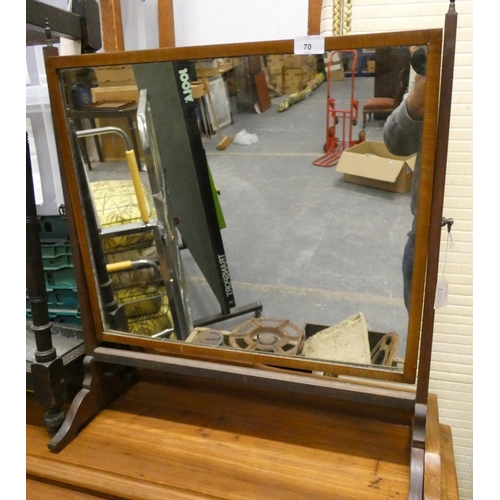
116, 204
144, 299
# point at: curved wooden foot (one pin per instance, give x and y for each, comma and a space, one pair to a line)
417, 474
98, 390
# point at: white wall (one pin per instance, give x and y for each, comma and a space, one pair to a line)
206, 22
201, 22
140, 24
486, 262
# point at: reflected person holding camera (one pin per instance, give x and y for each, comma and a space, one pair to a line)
403, 137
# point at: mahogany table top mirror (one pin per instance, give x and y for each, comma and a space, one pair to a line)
128, 235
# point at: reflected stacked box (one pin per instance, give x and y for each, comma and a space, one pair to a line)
290, 73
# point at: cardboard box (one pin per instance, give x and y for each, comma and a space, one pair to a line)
370, 164
237, 61
119, 93
295, 79
275, 74
198, 89
212, 67
336, 75
294, 61
206, 68
275, 60
313, 66
112, 76
296, 73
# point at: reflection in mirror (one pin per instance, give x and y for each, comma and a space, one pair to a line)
134, 244
320, 248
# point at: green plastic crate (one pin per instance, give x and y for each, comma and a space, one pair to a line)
63, 298
53, 227
62, 278
62, 316
56, 255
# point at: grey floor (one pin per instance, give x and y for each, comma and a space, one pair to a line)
309, 246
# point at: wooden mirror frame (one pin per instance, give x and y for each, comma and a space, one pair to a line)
87, 293
377, 399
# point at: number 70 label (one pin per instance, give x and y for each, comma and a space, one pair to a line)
314, 44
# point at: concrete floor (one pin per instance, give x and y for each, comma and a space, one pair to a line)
309, 246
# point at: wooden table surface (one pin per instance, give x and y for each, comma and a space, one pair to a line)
176, 438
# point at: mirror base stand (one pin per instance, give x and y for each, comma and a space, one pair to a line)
99, 388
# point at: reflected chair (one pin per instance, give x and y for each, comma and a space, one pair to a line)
384, 106
125, 217
132, 259
378, 105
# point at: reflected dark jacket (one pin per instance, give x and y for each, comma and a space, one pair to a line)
403, 137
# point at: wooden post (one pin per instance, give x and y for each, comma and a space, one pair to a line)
112, 27
166, 30
314, 17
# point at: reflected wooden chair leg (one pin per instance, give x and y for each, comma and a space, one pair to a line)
98, 390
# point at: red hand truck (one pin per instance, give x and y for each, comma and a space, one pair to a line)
339, 120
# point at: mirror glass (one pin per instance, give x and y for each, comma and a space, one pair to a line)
286, 154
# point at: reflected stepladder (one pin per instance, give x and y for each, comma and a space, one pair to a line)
144, 260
